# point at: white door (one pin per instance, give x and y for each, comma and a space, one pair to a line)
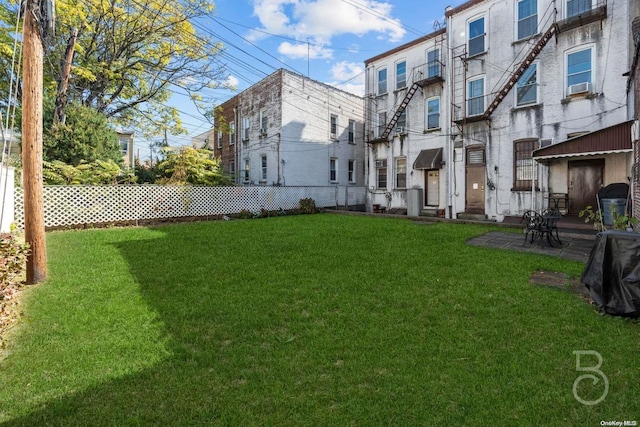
432, 188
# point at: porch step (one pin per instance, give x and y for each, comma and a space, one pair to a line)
432, 212
472, 217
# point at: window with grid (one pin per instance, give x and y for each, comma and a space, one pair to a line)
334, 126
246, 170
352, 171
433, 113
577, 7
401, 75
352, 131
382, 81
433, 63
475, 102
219, 138
523, 164
264, 122
401, 124
247, 124
527, 18
476, 37
232, 168
333, 169
381, 173
579, 67
382, 123
232, 133
527, 87
401, 172
263, 168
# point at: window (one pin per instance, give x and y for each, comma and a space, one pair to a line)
352, 131
433, 113
576, 7
124, 145
232, 168
476, 37
333, 169
527, 18
523, 163
382, 123
263, 122
352, 171
334, 126
475, 100
246, 170
381, 173
382, 81
401, 124
232, 133
579, 71
219, 138
401, 75
527, 87
263, 168
401, 172
433, 63
246, 128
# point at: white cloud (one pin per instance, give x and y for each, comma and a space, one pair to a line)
321, 20
348, 76
232, 82
304, 50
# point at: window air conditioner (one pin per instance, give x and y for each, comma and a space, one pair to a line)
263, 131
333, 136
546, 142
580, 88
400, 130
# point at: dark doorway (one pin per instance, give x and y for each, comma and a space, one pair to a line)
585, 179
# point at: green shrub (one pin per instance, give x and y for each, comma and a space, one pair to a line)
13, 256
308, 205
245, 214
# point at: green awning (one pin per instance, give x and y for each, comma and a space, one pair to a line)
429, 159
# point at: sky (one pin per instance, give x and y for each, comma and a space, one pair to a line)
327, 40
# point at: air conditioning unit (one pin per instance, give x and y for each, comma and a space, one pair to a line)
263, 131
381, 163
400, 130
546, 142
333, 136
580, 88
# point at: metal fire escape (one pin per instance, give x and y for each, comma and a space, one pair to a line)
520, 70
401, 108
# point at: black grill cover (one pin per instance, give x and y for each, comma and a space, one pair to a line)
612, 274
619, 190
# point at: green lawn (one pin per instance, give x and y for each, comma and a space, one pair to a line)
307, 320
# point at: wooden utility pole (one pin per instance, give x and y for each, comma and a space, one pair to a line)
32, 143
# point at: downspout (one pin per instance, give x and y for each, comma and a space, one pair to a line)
278, 158
235, 151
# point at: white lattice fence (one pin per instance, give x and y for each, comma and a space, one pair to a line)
79, 204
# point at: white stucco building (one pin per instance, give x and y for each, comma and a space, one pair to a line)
407, 125
290, 130
532, 102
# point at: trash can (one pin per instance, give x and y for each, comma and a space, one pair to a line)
414, 201
609, 206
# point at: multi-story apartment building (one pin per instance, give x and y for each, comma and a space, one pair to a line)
533, 102
407, 124
288, 129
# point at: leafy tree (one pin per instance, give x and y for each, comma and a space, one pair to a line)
86, 136
93, 173
191, 166
127, 56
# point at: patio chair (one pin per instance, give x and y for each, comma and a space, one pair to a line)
532, 223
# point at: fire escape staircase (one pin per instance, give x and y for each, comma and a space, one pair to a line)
513, 79
403, 106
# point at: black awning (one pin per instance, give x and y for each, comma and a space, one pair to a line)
429, 159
